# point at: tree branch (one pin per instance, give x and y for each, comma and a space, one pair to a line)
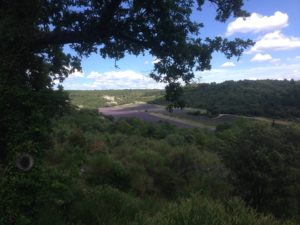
91, 34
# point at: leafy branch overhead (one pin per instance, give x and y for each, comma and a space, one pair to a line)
114, 28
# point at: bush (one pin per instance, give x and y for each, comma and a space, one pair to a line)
102, 169
175, 140
76, 138
104, 206
202, 210
264, 165
41, 196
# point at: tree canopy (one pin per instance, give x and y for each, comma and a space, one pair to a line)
114, 28
270, 98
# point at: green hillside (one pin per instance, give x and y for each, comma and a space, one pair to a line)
132, 172
272, 98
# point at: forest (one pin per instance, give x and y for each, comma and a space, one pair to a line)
126, 171
132, 172
270, 98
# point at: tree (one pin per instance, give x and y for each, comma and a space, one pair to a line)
264, 162
32, 38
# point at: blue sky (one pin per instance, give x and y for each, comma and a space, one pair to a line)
274, 25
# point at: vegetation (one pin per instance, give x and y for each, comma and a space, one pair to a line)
270, 98
131, 172
264, 162
101, 98
202, 210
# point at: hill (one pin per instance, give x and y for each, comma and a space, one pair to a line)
132, 172
271, 98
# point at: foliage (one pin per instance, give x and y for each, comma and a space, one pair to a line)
272, 98
98, 98
139, 177
264, 161
102, 169
202, 210
132, 172
39, 197
104, 205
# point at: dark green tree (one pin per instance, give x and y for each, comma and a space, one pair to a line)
264, 162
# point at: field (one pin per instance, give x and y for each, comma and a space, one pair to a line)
105, 98
180, 118
146, 112
135, 103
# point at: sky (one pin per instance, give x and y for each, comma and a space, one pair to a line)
274, 25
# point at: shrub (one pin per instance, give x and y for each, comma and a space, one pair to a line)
175, 140
102, 169
104, 206
264, 165
41, 196
123, 126
98, 146
202, 210
76, 138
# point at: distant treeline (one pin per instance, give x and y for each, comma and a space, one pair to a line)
273, 98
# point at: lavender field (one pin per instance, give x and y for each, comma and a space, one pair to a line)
180, 118
158, 113
145, 112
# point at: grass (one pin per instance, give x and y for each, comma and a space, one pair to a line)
102, 98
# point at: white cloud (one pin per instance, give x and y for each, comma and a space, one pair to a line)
258, 23
280, 72
275, 41
132, 80
155, 60
297, 57
76, 74
228, 64
127, 79
56, 82
264, 58
146, 62
261, 58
